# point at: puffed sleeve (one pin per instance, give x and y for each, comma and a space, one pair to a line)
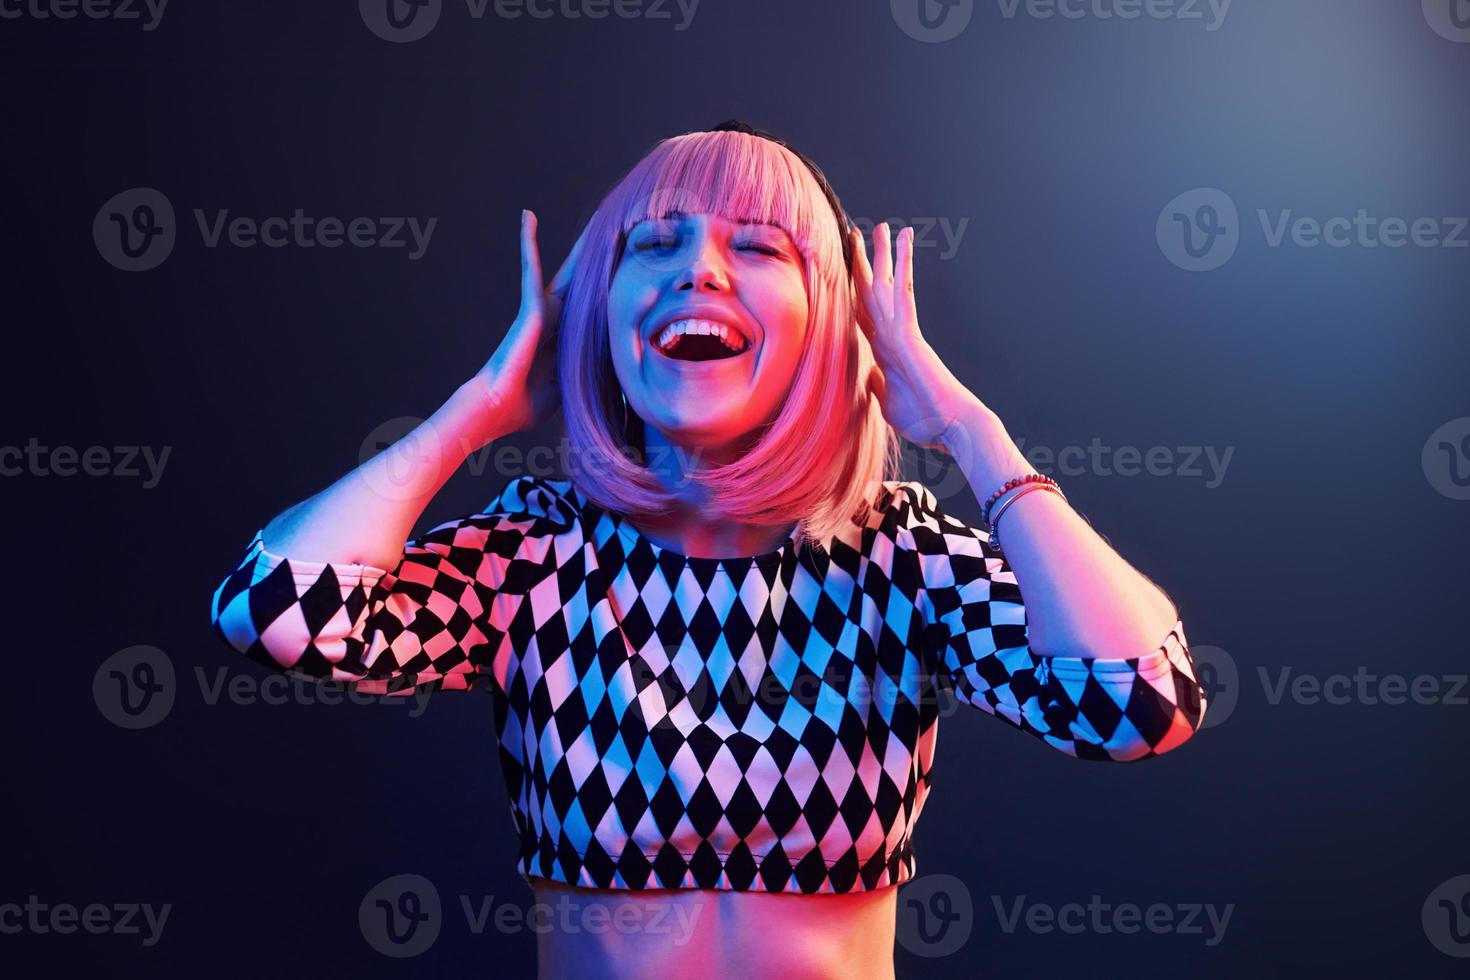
1092, 708
420, 626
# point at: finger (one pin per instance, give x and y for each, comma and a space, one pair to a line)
862, 276
862, 272
903, 278
884, 269
882, 255
530, 263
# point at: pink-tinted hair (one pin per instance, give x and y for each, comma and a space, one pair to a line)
828, 450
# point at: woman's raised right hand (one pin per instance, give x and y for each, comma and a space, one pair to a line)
520, 382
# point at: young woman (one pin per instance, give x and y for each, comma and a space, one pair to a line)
713, 649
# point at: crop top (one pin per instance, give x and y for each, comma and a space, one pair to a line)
763, 723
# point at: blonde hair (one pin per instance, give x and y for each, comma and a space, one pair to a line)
823, 458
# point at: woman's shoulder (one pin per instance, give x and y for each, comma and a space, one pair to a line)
525, 519
552, 503
919, 518
909, 504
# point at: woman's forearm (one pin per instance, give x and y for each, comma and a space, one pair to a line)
367, 516
1082, 599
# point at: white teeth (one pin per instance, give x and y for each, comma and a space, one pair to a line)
669, 336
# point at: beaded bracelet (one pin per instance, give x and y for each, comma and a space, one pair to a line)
995, 521
1010, 485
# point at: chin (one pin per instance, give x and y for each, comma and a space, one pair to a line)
707, 430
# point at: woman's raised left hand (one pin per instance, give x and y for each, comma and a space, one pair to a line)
921, 398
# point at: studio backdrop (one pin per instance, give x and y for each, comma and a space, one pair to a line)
1208, 260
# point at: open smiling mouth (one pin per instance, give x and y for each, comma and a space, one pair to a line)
700, 340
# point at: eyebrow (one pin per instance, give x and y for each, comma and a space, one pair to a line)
680, 215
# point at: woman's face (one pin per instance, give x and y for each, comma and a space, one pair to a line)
703, 274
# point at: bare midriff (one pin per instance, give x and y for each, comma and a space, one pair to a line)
609, 934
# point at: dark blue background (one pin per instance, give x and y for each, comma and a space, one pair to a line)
1324, 548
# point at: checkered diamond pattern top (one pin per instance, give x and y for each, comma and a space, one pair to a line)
757, 724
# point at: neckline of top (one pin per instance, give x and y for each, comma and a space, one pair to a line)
634, 537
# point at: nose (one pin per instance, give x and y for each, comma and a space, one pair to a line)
706, 269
